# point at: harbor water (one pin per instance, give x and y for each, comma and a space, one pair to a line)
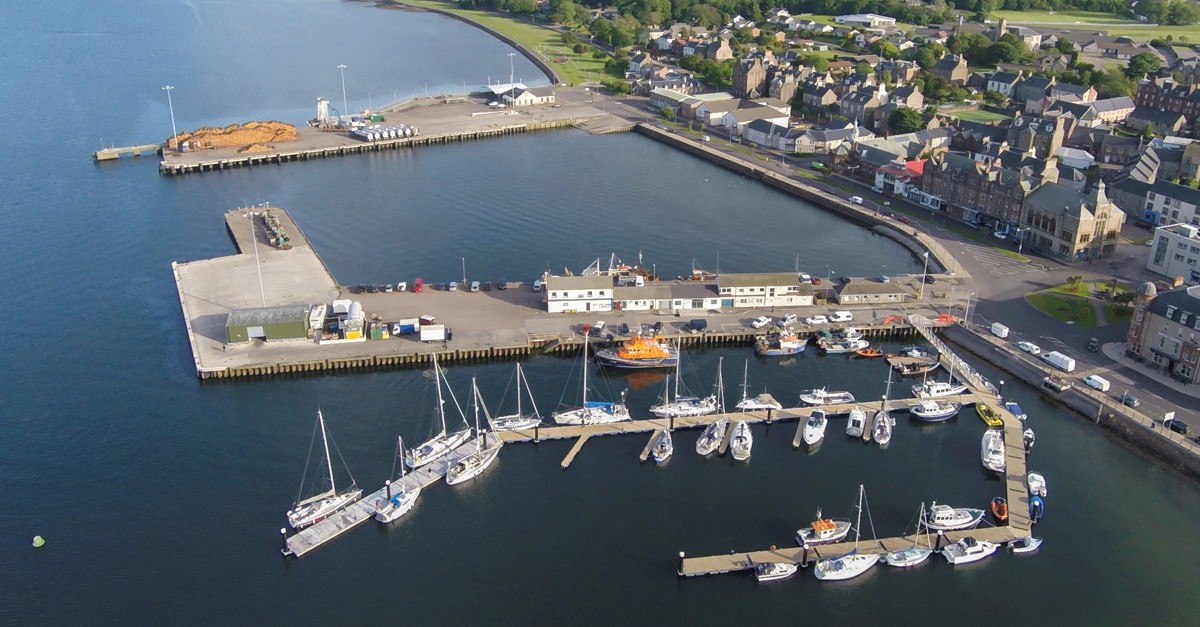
160, 499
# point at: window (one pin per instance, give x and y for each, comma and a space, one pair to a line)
1170, 311
589, 293
1178, 257
1083, 239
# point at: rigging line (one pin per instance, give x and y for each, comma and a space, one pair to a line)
456, 405
508, 386
570, 375
870, 520
307, 460
353, 483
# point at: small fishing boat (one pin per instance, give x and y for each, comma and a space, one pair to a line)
849, 333
766, 572
1015, 410
820, 396
857, 422
929, 410
814, 428
868, 352
1037, 484
1000, 508
989, 416
917, 351
1037, 508
913, 368
822, 531
946, 518
938, 389
992, 451
1028, 438
741, 441
711, 439
836, 347
1028, 544
779, 345
968, 550
639, 352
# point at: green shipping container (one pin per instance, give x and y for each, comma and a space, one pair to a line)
375, 117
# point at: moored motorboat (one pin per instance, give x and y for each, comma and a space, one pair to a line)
779, 345
913, 368
1028, 438
929, 410
741, 441
1037, 484
814, 427
968, 550
835, 347
1000, 508
992, 451
868, 352
857, 423
989, 416
913, 350
1037, 507
849, 333
938, 389
822, 531
820, 396
946, 518
1015, 410
1027, 544
766, 572
639, 352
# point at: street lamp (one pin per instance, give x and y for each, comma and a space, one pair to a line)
1021, 238
512, 90
345, 109
171, 106
924, 273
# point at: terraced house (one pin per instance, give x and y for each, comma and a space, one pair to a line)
982, 192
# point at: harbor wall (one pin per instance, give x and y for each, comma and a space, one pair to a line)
1128, 424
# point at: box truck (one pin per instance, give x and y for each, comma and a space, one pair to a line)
433, 333
999, 330
1060, 361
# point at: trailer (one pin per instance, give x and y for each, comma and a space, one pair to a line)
433, 333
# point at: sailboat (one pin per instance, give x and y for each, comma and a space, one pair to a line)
318, 507
714, 433
742, 441
485, 451
678, 406
857, 422
915, 554
814, 429
595, 412
761, 402
398, 501
664, 447
851, 564
881, 428
517, 421
443, 442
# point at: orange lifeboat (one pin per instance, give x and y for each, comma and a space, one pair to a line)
639, 352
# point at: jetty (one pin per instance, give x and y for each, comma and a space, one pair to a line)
116, 152
362, 510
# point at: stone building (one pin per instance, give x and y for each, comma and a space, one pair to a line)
1070, 224
750, 78
1163, 330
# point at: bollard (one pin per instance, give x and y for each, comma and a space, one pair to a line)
681, 555
283, 536
387, 485
937, 544
804, 557
536, 434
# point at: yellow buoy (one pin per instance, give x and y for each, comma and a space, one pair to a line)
38, 542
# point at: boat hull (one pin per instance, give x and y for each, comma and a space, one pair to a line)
1025, 545
779, 351
845, 567
435, 448
515, 423
313, 513
711, 439
754, 404
592, 416
684, 409
399, 505
610, 359
960, 518
960, 553
907, 558
768, 572
741, 442
841, 529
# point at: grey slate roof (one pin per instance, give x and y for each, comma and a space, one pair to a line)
758, 279
257, 316
1185, 300
1183, 193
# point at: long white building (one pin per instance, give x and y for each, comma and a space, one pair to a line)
1176, 252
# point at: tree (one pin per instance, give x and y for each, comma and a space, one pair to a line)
862, 68
668, 114
905, 120
924, 58
1003, 52
1148, 131
885, 49
1112, 83
1075, 283
1143, 63
994, 97
819, 64
1064, 45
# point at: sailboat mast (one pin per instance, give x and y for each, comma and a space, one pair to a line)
325, 441
475, 401
519, 414
858, 523
720, 387
678, 359
437, 379
585, 362
400, 454
745, 378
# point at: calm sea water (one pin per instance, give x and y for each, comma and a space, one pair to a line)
161, 498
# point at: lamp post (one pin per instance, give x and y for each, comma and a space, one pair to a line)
967, 310
345, 109
171, 106
1021, 239
512, 90
924, 273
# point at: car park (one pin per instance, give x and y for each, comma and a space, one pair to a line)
818, 319
1030, 347
841, 316
787, 319
760, 322
1130, 400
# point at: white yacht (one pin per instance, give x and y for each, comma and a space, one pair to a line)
851, 564
711, 439
881, 426
991, 450
814, 427
676, 406
820, 396
397, 500
487, 447
929, 410
443, 442
664, 447
762, 402
857, 424
938, 389
766, 572
968, 550
912, 555
318, 507
946, 518
742, 441
519, 420
594, 412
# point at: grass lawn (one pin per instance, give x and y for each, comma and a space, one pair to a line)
1067, 18
573, 69
979, 115
1067, 289
1113, 315
1106, 287
1077, 311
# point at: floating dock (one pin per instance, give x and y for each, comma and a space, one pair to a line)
116, 152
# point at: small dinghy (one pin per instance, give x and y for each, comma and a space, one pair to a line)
1036, 509
1037, 484
1000, 508
1029, 439
1025, 545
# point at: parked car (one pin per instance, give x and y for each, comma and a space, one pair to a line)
372, 288
474, 286
1093, 345
441, 287
1030, 347
1097, 382
537, 285
502, 284
696, 326
855, 199
805, 277
453, 286
928, 279
1130, 400
623, 329
358, 289
818, 319
883, 278
387, 288
598, 329
877, 189
787, 319
1176, 426
418, 285
487, 286
402, 286
760, 322
903, 219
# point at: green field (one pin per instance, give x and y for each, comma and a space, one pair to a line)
1077, 311
979, 115
1107, 22
573, 69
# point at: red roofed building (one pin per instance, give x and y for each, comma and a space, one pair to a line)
898, 177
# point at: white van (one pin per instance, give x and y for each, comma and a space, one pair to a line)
841, 316
1097, 381
856, 200
474, 286
999, 330
537, 285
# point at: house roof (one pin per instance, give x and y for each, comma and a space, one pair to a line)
1005, 78
869, 287
592, 282
1184, 300
758, 279
1059, 200
258, 316
667, 290
1155, 116
1113, 104
1174, 191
